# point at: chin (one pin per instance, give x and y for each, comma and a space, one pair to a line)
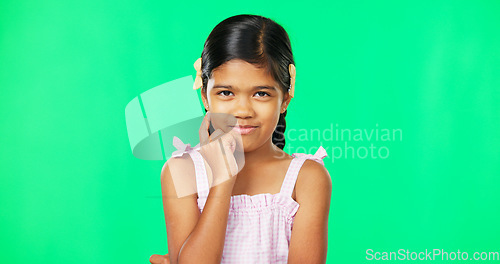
250, 145
247, 147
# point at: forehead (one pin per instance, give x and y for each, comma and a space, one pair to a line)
240, 73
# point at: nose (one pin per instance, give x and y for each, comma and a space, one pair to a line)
243, 109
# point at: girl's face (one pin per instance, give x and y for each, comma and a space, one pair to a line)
249, 94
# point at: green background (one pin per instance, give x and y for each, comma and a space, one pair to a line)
72, 192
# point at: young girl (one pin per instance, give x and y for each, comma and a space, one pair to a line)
274, 209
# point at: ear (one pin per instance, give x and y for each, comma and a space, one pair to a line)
285, 103
204, 99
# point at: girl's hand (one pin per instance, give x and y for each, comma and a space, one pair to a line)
159, 259
222, 150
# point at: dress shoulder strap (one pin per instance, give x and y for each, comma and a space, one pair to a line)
295, 166
202, 185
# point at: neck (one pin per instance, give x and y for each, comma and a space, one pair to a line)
266, 152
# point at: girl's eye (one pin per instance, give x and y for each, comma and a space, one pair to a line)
228, 93
262, 93
224, 92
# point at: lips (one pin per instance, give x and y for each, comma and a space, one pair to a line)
244, 130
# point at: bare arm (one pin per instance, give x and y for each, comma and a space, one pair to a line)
194, 237
309, 241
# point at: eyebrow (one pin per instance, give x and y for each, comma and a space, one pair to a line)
259, 87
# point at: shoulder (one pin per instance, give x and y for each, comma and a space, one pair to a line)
178, 177
175, 163
313, 182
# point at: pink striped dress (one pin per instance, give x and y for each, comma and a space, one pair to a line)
259, 227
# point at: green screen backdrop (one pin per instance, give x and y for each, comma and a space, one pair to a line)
403, 95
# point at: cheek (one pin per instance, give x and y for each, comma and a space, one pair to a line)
217, 105
270, 115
